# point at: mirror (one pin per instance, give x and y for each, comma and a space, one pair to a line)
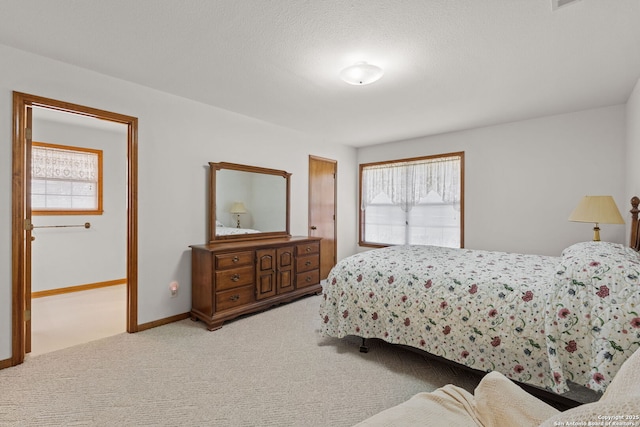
247, 202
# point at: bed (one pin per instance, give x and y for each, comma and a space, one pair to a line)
539, 320
222, 230
228, 231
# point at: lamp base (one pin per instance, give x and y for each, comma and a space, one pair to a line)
596, 234
238, 224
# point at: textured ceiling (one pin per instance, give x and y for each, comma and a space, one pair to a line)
449, 64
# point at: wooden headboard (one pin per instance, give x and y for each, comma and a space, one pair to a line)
634, 241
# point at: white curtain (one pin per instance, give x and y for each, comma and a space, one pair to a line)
52, 163
405, 183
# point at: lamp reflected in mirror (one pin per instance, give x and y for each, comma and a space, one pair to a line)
598, 210
238, 209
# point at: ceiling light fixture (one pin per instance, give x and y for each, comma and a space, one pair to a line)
361, 73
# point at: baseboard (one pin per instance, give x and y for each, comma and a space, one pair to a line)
161, 322
6, 363
78, 288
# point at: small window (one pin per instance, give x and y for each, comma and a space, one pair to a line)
415, 201
65, 180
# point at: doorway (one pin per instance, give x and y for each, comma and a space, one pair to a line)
22, 225
322, 209
78, 188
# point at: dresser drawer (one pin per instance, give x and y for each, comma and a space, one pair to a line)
233, 278
234, 298
234, 259
307, 263
307, 278
308, 248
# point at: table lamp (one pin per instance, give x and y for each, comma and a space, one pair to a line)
599, 210
238, 208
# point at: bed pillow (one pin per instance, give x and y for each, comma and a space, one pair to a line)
604, 267
606, 250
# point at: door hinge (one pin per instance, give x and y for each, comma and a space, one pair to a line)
27, 315
28, 225
28, 133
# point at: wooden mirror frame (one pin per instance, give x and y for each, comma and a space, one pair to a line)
213, 169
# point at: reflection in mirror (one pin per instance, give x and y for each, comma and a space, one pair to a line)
248, 202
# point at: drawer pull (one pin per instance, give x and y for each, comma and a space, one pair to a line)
308, 249
308, 278
235, 297
235, 259
308, 263
235, 277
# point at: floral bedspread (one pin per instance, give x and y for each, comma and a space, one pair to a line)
228, 231
513, 313
593, 320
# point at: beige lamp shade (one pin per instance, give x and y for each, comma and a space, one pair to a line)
238, 208
598, 210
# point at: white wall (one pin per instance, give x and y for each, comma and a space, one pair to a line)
267, 204
63, 257
523, 179
177, 137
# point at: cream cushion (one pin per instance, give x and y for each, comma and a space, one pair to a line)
498, 402
449, 405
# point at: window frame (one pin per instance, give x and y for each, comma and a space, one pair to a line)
361, 215
99, 184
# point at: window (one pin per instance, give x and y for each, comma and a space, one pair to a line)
65, 180
415, 201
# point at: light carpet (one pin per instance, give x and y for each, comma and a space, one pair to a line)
267, 369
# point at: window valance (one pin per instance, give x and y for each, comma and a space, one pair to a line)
53, 163
405, 183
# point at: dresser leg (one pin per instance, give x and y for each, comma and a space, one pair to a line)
214, 326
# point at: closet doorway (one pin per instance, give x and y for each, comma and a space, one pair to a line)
23, 223
322, 209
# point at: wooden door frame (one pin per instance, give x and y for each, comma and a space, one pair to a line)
20, 202
335, 200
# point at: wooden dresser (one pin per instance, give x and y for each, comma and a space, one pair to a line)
234, 278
